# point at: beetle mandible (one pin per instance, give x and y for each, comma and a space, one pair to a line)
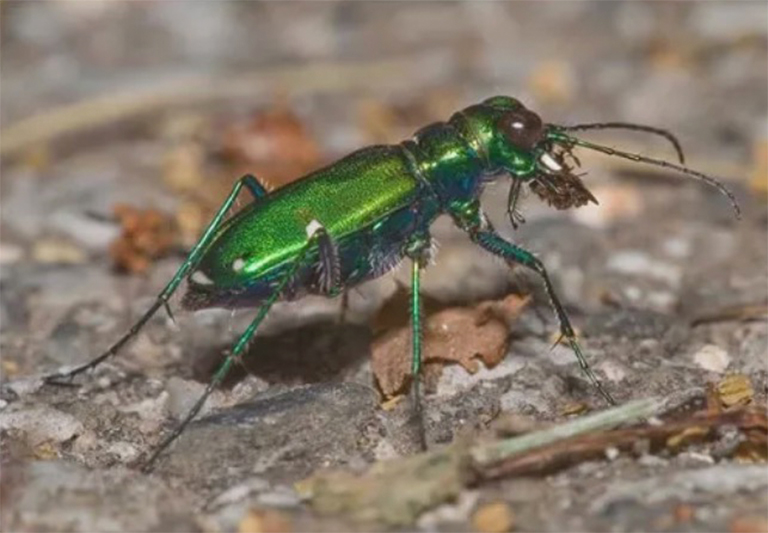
357, 218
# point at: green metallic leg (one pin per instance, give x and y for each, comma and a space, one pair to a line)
417, 250
162, 300
237, 352
481, 232
251, 182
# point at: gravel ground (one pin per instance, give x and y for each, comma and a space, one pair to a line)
660, 279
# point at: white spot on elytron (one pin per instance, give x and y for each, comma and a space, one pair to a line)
238, 264
199, 277
312, 227
518, 125
550, 163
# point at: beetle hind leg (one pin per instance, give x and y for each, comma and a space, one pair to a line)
329, 262
238, 349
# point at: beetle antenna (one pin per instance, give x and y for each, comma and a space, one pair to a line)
630, 126
659, 163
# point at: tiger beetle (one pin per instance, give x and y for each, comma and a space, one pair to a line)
357, 218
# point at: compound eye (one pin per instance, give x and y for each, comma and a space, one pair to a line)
523, 128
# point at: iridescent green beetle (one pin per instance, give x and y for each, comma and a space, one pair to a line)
359, 217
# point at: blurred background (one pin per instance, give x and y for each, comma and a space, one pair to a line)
124, 124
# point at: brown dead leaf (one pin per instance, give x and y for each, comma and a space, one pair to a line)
147, 234
735, 389
273, 145
451, 335
494, 518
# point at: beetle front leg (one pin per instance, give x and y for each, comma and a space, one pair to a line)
473, 221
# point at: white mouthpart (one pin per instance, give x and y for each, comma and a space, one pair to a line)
312, 227
549, 162
200, 278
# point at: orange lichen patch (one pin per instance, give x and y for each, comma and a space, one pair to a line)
147, 234
274, 145
687, 436
735, 389
451, 335
574, 408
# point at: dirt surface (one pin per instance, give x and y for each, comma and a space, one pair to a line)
134, 103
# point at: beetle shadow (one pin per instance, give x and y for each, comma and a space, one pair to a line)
313, 353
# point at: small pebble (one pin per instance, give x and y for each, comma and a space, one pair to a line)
611, 453
494, 518
41, 424
712, 358
637, 263
652, 460
10, 254
57, 251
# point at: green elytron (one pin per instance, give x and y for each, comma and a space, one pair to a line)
357, 218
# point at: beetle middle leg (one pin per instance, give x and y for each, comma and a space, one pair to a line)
473, 221
417, 250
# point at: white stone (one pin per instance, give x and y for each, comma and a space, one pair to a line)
712, 358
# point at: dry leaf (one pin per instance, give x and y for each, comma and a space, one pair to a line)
450, 335
147, 234
494, 518
735, 389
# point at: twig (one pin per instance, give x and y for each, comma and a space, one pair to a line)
631, 412
102, 110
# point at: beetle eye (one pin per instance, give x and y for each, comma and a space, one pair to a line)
523, 128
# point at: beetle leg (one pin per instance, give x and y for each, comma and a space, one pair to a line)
162, 299
251, 182
237, 351
417, 250
474, 222
329, 263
